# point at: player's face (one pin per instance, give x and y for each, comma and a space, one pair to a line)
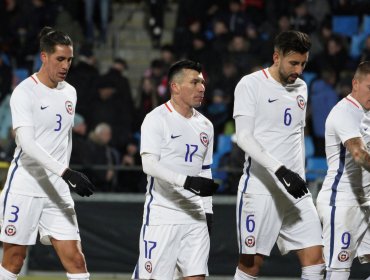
361, 90
192, 88
58, 63
290, 66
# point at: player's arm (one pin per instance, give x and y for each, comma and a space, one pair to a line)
293, 183
78, 182
358, 151
197, 185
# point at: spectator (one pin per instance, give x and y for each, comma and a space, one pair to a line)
301, 19
155, 22
103, 154
104, 15
80, 152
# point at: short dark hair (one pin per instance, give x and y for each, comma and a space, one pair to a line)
363, 69
178, 66
292, 41
50, 37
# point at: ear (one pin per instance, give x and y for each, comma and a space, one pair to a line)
43, 57
276, 57
174, 87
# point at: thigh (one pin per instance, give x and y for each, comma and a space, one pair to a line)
20, 219
159, 247
194, 250
258, 223
301, 227
58, 220
343, 228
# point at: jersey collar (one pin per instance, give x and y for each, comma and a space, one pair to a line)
350, 99
170, 108
60, 85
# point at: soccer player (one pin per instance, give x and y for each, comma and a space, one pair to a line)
176, 150
343, 202
273, 202
36, 197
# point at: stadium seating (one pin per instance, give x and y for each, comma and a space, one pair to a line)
345, 25
316, 168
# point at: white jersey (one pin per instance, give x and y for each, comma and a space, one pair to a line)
50, 112
365, 133
343, 183
279, 119
184, 146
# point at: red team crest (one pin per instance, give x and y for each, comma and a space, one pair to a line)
301, 102
343, 256
250, 241
10, 230
148, 266
69, 107
204, 139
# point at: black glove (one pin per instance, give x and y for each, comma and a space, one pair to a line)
200, 186
209, 218
78, 182
293, 183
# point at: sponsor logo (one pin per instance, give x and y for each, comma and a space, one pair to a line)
174, 136
148, 266
343, 256
301, 102
250, 241
204, 139
43, 107
69, 107
197, 192
286, 183
10, 230
72, 185
272, 100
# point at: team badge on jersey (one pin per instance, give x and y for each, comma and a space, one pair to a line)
250, 241
204, 139
10, 230
69, 107
148, 266
301, 102
343, 256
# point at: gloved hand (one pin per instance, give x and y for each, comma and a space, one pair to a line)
78, 182
292, 182
200, 186
209, 218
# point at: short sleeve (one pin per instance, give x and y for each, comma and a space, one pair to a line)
346, 124
152, 134
245, 98
209, 154
21, 108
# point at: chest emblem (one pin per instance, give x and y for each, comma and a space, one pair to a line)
204, 139
301, 102
69, 107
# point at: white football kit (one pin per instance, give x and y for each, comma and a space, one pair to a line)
50, 112
172, 214
343, 201
265, 211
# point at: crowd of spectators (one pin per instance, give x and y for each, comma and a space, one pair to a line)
231, 38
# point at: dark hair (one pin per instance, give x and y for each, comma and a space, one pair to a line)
50, 37
363, 69
292, 41
178, 66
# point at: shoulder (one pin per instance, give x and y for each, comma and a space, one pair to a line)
200, 117
254, 78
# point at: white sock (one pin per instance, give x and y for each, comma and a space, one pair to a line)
78, 276
313, 272
6, 274
337, 274
240, 275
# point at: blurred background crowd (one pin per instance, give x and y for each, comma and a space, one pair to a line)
231, 38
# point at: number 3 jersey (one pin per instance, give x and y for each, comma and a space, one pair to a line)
279, 118
184, 146
50, 112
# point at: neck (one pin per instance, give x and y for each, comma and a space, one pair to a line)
43, 77
182, 109
273, 70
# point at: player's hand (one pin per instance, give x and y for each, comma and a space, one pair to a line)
78, 182
292, 182
209, 218
200, 186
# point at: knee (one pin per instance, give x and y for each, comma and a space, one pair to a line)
79, 262
250, 264
14, 263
